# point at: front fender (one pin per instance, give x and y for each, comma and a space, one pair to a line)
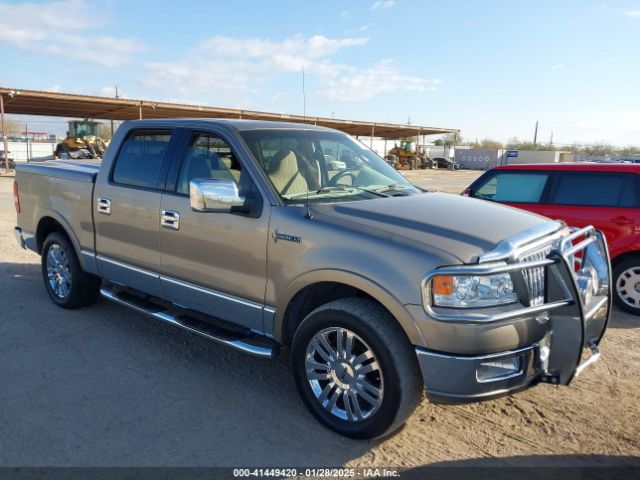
375, 290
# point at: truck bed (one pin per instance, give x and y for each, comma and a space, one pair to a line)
80, 171
60, 191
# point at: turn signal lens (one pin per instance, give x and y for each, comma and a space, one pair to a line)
443, 285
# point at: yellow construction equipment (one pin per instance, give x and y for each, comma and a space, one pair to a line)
405, 156
82, 141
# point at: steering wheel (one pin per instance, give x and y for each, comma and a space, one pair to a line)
344, 173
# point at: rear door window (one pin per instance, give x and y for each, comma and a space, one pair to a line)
140, 157
513, 187
599, 189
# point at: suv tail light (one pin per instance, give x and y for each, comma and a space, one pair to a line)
16, 197
466, 193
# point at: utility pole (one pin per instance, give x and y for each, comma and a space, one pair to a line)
4, 135
26, 134
551, 138
535, 135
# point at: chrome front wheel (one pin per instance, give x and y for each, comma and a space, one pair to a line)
355, 369
344, 374
58, 271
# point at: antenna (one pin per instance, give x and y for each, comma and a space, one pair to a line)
307, 210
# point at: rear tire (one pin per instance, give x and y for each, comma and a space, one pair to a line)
626, 285
362, 388
67, 284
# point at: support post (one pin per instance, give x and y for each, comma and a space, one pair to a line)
140, 111
4, 135
112, 129
373, 132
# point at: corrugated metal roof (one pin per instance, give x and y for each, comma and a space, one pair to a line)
33, 102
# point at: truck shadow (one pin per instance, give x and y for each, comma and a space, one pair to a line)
620, 319
107, 386
124, 389
567, 467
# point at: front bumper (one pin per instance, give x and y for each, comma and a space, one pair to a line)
452, 378
550, 343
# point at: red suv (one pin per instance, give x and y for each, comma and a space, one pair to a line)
605, 195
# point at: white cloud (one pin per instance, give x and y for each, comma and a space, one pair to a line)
110, 91
618, 127
382, 4
557, 66
47, 29
249, 62
633, 14
246, 61
288, 54
54, 88
363, 84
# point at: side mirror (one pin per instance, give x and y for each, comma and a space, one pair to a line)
209, 195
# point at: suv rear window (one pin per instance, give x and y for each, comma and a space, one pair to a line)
140, 157
596, 190
513, 187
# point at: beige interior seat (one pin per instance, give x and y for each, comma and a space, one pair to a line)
285, 175
230, 163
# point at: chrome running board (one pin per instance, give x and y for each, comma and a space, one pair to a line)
249, 343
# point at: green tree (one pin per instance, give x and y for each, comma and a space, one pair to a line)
104, 131
453, 138
488, 143
12, 127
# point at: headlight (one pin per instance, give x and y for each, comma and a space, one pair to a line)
470, 291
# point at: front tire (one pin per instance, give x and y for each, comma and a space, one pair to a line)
67, 284
626, 285
355, 369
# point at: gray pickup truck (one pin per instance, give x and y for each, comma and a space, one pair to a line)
263, 235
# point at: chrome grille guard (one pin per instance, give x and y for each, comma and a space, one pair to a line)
522, 253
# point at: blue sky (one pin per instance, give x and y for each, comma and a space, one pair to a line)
491, 68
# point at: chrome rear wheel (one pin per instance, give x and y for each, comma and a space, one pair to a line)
67, 284
58, 271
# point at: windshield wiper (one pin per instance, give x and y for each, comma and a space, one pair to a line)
345, 188
394, 187
351, 187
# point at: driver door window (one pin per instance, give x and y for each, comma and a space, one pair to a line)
208, 156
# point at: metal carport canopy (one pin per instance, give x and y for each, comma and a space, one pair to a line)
33, 102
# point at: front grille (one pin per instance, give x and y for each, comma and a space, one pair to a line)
534, 277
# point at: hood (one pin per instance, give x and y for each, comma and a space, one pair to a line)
460, 226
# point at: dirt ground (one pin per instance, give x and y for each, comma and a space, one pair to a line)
105, 386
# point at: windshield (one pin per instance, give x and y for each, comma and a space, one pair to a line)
326, 165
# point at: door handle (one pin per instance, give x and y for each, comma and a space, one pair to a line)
170, 219
104, 206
